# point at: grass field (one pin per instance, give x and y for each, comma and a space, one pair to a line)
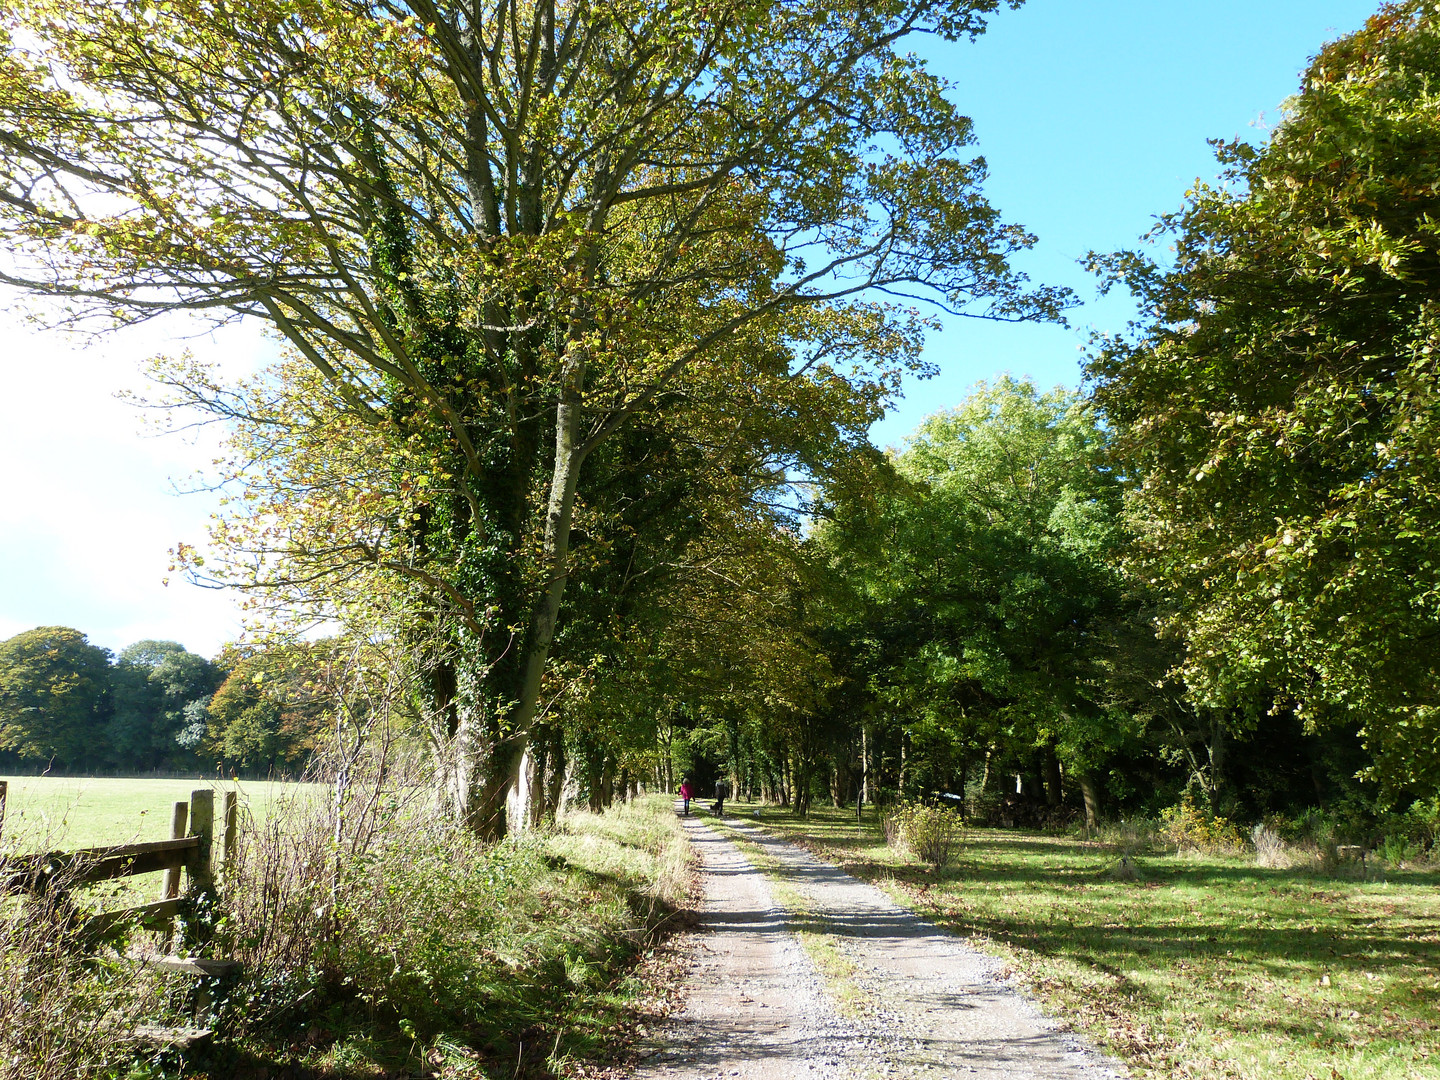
54, 812
1205, 967
51, 813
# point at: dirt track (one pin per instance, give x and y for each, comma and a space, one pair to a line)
897, 998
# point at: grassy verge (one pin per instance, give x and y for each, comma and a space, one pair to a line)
421, 953
1204, 967
466, 961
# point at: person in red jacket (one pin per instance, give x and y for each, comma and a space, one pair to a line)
686, 794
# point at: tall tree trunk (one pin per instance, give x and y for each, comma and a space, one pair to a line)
865, 763
1051, 765
558, 774
964, 783
1090, 791
801, 796
904, 762
733, 740
666, 734
1216, 753
538, 767
607, 782
565, 476
595, 777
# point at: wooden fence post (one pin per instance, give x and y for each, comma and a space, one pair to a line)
4, 790
200, 869
230, 823
202, 824
170, 886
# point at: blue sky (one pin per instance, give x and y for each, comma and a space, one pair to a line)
1093, 117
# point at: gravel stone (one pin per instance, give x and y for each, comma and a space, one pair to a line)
757, 1008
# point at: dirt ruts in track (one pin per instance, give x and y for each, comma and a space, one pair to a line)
905, 999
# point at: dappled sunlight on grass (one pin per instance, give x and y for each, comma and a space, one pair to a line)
1203, 966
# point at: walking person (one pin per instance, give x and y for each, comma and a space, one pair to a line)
722, 792
686, 794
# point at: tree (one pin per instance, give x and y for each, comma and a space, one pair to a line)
54, 688
688, 617
495, 235
1276, 411
155, 682
246, 722
272, 710
982, 575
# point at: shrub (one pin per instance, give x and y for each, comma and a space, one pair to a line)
1187, 827
891, 824
1398, 850
985, 807
931, 833
1410, 836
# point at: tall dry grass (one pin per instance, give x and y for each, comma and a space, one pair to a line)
67, 1011
373, 937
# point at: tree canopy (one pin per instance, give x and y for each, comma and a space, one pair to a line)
494, 236
69, 706
1275, 409
980, 575
583, 311
54, 690
154, 683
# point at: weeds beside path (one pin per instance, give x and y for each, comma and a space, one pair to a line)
422, 953
1205, 967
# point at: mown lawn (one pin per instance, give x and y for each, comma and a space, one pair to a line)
1205, 967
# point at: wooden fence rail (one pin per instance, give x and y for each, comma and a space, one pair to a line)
34, 873
191, 848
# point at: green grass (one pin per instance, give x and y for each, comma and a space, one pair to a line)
57, 812
1206, 967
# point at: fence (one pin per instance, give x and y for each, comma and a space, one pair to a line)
192, 847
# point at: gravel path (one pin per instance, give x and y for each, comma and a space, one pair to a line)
903, 998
